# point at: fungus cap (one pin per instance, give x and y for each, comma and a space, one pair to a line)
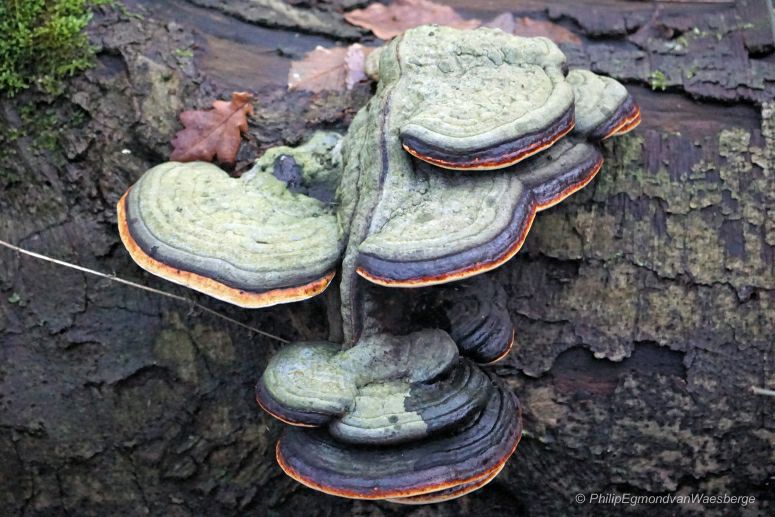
604, 108
384, 390
309, 384
248, 241
396, 412
478, 318
449, 226
473, 452
516, 104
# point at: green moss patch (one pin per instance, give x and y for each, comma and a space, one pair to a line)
43, 42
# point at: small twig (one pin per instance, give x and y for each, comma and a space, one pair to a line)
114, 278
762, 391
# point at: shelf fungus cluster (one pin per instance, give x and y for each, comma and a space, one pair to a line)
438, 179
398, 417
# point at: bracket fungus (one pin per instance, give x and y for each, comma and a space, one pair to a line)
438, 179
475, 315
248, 241
404, 416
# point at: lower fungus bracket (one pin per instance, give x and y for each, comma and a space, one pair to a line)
439, 467
414, 421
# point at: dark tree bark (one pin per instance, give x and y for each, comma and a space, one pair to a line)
644, 305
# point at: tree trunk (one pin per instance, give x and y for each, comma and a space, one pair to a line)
644, 305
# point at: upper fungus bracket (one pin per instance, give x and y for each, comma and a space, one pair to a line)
481, 99
442, 227
466, 92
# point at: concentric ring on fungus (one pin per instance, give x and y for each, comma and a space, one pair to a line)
630, 123
285, 414
626, 118
506, 349
496, 157
449, 493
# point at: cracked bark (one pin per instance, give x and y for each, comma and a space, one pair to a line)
644, 305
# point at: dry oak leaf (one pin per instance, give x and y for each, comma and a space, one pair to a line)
389, 21
529, 27
336, 68
214, 133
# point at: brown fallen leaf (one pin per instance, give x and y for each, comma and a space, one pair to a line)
529, 27
389, 21
336, 68
214, 133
